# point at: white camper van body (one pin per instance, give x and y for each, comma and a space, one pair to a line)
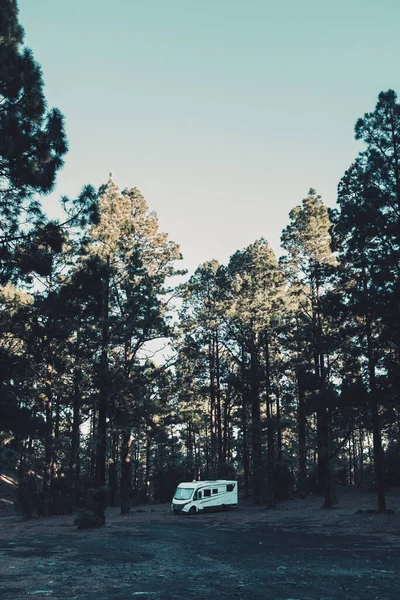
201, 496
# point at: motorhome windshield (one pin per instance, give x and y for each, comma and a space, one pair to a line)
183, 493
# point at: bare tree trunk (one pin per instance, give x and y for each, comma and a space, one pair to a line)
324, 463
213, 431
218, 390
278, 423
355, 458
56, 445
255, 425
227, 426
206, 450
147, 473
245, 450
301, 421
75, 436
112, 469
126, 472
322, 441
103, 402
350, 464
376, 428
93, 437
301, 418
172, 445
196, 452
136, 465
49, 443
361, 454
189, 446
271, 503
229, 449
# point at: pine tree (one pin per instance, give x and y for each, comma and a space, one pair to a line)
201, 320
309, 259
33, 141
134, 261
253, 304
367, 237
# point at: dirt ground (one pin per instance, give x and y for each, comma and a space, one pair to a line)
296, 552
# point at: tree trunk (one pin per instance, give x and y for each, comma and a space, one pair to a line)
328, 489
93, 442
255, 425
206, 450
270, 430
213, 432
228, 454
49, 443
355, 458
350, 464
22, 460
136, 465
172, 445
75, 437
376, 429
227, 426
218, 390
361, 455
301, 423
378, 454
112, 469
126, 472
278, 423
56, 445
324, 481
147, 474
322, 443
245, 450
101, 449
196, 458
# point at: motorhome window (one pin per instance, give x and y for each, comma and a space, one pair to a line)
199, 495
207, 493
183, 493
215, 491
230, 487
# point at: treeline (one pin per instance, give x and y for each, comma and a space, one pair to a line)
282, 372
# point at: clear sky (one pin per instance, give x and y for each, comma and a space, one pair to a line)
223, 112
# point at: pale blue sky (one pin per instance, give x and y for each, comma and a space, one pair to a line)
223, 112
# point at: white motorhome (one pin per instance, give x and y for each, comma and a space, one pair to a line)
200, 496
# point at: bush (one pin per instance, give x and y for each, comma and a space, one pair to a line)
83, 485
392, 464
60, 503
284, 480
341, 476
87, 520
92, 497
139, 497
311, 485
30, 498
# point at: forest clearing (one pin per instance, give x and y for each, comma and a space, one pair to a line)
297, 551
